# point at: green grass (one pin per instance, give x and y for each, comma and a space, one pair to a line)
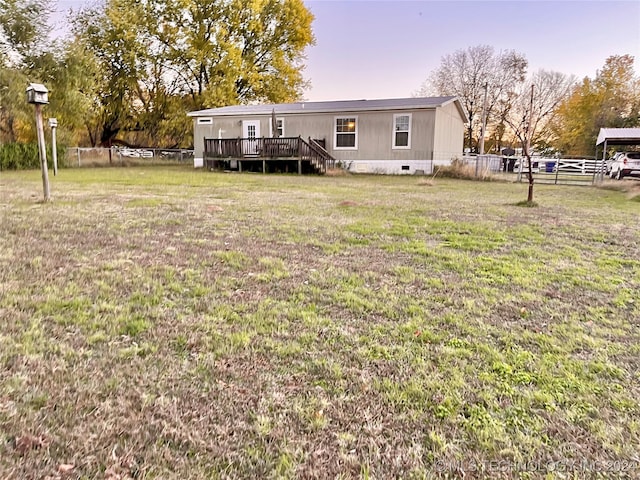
170, 323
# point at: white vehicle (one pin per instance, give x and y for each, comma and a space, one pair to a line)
625, 164
127, 152
136, 153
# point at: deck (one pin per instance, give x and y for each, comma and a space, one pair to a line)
284, 154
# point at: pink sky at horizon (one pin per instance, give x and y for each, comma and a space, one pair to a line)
387, 48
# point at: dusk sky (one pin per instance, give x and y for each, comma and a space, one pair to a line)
386, 49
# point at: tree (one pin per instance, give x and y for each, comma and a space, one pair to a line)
15, 117
23, 29
112, 38
71, 77
533, 108
23, 35
611, 100
158, 59
468, 73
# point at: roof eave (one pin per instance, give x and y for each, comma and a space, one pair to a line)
620, 141
619, 136
211, 112
461, 110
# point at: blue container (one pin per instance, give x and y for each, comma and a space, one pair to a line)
549, 167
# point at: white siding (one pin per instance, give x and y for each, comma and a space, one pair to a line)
448, 135
436, 135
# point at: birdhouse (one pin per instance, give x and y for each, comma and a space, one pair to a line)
53, 122
37, 93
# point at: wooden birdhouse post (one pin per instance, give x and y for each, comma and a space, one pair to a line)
38, 95
53, 123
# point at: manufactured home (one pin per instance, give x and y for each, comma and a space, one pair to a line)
392, 136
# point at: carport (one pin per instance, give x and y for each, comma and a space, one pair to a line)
614, 137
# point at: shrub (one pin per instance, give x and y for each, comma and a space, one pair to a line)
461, 170
24, 156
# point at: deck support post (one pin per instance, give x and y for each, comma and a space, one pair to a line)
239, 166
299, 166
264, 166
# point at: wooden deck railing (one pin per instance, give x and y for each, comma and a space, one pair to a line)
317, 155
294, 148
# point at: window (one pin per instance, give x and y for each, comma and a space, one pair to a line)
402, 130
205, 121
280, 127
346, 133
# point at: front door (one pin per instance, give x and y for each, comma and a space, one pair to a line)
251, 133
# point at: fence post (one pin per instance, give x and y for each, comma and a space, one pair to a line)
520, 166
78, 153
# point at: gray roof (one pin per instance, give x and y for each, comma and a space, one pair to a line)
38, 87
333, 106
619, 136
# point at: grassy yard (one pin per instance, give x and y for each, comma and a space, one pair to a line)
166, 323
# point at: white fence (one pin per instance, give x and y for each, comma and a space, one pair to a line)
573, 171
96, 157
484, 165
576, 171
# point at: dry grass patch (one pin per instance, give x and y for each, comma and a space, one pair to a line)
337, 172
348, 203
634, 193
426, 182
460, 170
177, 324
